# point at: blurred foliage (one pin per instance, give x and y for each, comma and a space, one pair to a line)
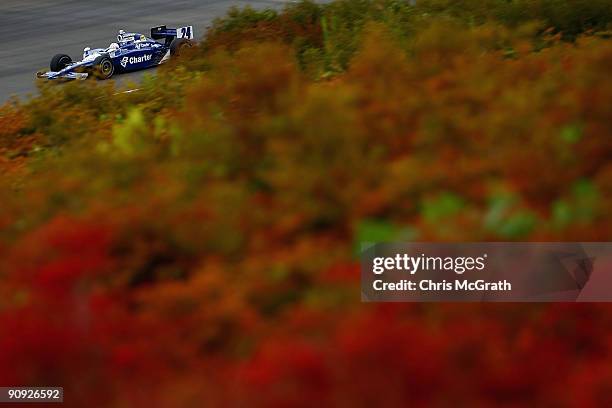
193, 240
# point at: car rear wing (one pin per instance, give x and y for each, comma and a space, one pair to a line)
169, 34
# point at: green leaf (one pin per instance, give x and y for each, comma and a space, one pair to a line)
370, 231
562, 214
443, 206
571, 134
518, 225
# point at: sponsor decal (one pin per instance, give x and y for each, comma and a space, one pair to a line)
135, 60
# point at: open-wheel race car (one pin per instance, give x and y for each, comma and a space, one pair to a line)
131, 52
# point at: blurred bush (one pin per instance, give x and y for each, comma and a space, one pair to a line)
195, 240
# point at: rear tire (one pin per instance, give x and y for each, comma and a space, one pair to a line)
59, 62
103, 67
178, 45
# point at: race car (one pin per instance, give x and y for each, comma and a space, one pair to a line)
131, 52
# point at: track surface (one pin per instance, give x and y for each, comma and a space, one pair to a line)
32, 31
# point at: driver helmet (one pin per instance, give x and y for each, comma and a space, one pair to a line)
113, 46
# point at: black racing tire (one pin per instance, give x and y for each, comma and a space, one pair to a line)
103, 67
179, 44
59, 62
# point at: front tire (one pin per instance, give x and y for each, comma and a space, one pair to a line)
103, 67
59, 62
